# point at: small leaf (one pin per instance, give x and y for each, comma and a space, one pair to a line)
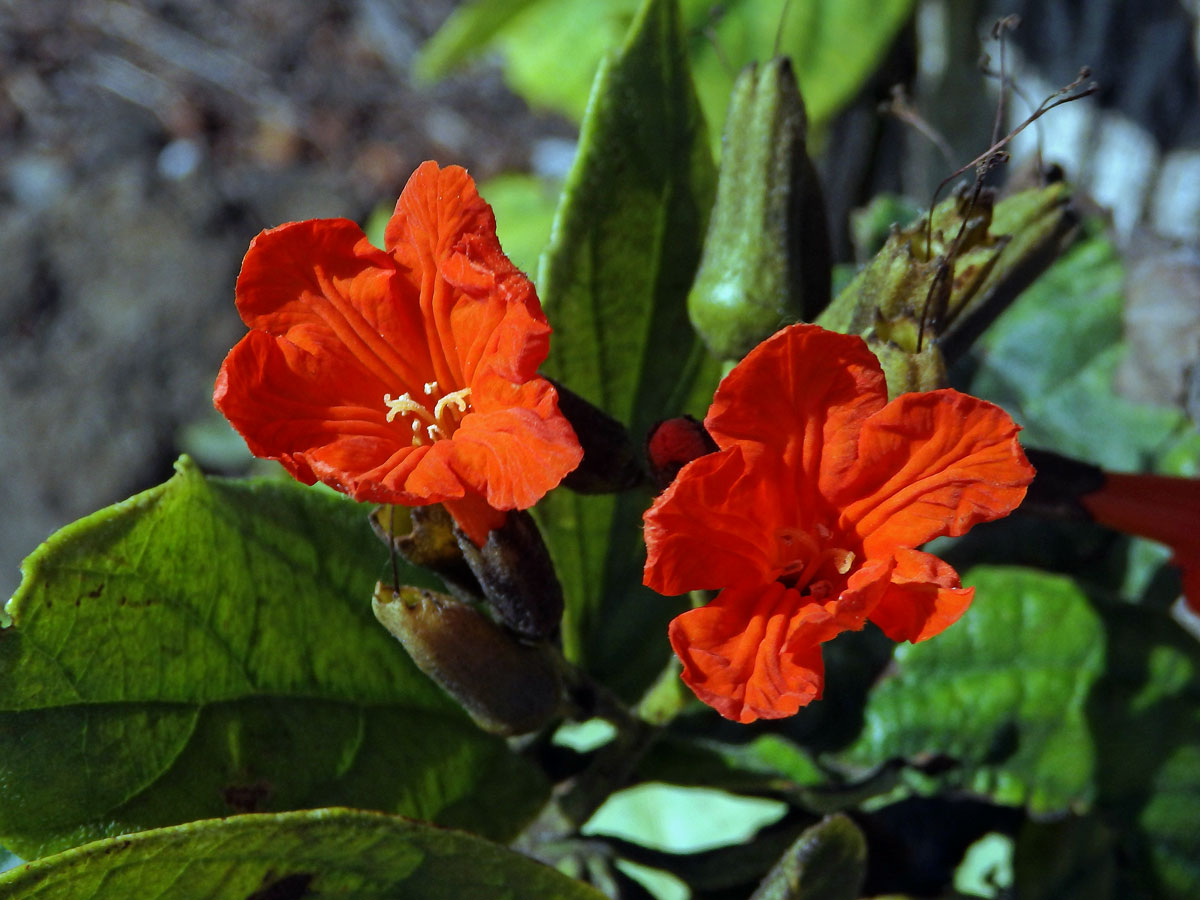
827, 862
314, 853
207, 647
1002, 694
614, 280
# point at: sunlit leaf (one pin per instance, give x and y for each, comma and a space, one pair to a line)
551, 48
614, 280
206, 648
317, 853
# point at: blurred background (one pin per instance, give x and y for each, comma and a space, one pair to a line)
143, 144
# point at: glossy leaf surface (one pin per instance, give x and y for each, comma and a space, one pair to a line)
206, 648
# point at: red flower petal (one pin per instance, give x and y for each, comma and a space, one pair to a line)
714, 527
923, 599
1162, 508
478, 308
444, 322
931, 464
803, 392
754, 652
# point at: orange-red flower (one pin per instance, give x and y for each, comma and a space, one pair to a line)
1159, 507
407, 376
808, 518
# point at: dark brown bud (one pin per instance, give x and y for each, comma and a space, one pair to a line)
610, 459
517, 577
508, 687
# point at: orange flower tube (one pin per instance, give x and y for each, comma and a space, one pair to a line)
809, 516
1159, 507
406, 375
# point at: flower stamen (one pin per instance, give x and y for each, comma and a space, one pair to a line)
437, 425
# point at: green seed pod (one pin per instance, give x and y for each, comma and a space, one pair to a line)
508, 687
766, 259
942, 284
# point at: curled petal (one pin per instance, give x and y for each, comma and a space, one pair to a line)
803, 393
923, 599
321, 286
479, 310
932, 464
754, 652
516, 446
714, 526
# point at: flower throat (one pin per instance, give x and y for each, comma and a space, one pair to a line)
427, 426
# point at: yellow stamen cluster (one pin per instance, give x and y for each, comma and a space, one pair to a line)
427, 426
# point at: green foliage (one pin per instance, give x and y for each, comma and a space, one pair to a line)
613, 281
317, 853
208, 647
1002, 693
551, 48
1051, 358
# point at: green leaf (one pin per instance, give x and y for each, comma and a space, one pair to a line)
207, 647
614, 280
524, 206
1051, 358
316, 853
827, 862
1145, 717
1002, 692
551, 48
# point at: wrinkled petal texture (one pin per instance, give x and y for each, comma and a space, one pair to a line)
337, 324
754, 652
923, 599
812, 451
804, 393
931, 464
478, 308
714, 526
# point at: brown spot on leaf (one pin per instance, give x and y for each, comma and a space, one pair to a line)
97, 591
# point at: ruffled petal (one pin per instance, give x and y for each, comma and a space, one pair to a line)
322, 286
714, 527
479, 310
804, 393
931, 464
923, 599
754, 652
313, 413
516, 446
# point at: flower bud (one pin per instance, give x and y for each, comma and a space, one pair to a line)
430, 542
674, 443
506, 686
766, 259
610, 460
517, 577
938, 286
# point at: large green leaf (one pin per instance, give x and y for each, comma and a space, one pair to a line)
317, 853
1002, 693
551, 48
1050, 360
207, 647
614, 279
1145, 721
